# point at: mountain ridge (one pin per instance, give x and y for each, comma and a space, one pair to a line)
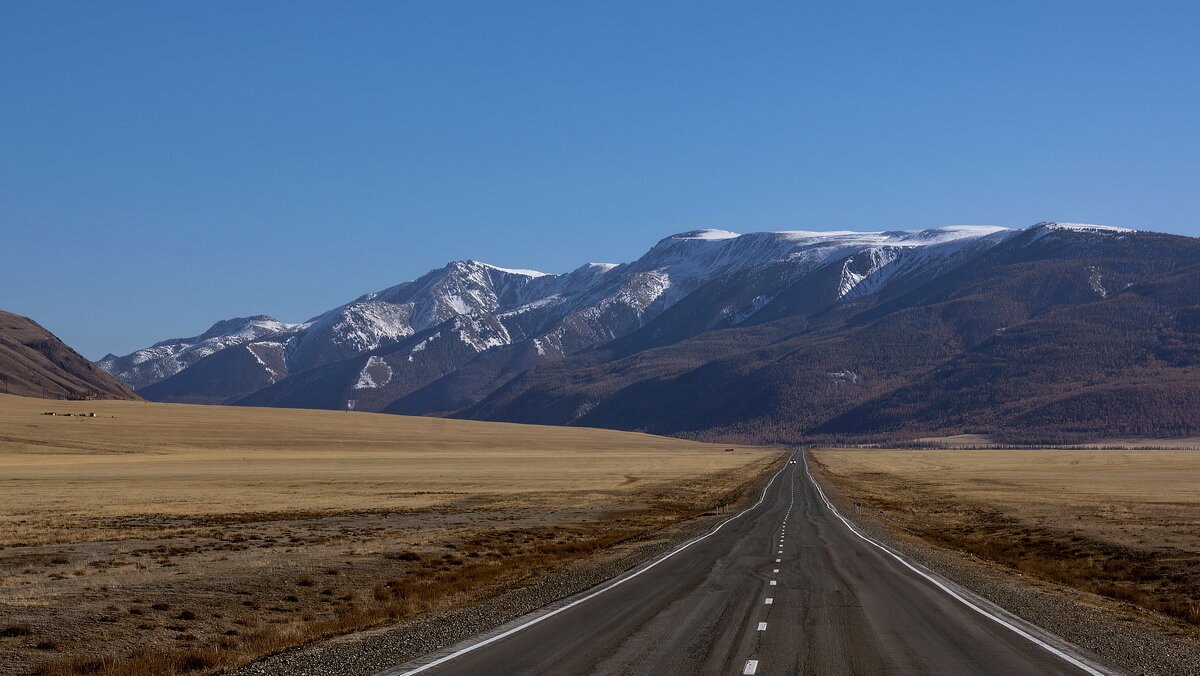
475, 340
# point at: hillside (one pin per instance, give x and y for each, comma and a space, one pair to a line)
35, 363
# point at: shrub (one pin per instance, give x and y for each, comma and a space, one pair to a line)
18, 629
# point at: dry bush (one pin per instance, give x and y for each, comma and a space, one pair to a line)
18, 629
391, 600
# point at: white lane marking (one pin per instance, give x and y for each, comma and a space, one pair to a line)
751, 668
999, 620
778, 560
775, 571
770, 601
772, 583
762, 626
615, 583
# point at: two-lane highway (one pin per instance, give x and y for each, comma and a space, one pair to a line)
787, 587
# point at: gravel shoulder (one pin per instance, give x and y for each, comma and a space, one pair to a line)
1132, 638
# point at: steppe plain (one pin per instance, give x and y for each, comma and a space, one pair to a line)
158, 539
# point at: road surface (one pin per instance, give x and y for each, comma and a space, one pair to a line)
787, 587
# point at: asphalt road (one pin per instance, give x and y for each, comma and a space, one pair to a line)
788, 587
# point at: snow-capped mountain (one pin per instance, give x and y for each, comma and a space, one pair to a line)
446, 340
166, 358
1059, 333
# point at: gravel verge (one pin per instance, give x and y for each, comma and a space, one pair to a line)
1127, 636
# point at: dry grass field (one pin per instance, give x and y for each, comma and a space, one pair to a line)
157, 539
1124, 525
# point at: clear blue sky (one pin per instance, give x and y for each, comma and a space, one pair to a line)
167, 164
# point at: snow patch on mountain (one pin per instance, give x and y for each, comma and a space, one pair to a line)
420, 347
1083, 227
525, 273
375, 374
844, 376
1096, 281
479, 334
875, 259
535, 305
365, 326
257, 349
1057, 230
951, 233
757, 303
706, 234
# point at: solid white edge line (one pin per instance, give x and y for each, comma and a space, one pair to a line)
615, 583
955, 595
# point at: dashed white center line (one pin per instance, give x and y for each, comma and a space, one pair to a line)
762, 626
775, 571
778, 560
751, 668
772, 583
770, 601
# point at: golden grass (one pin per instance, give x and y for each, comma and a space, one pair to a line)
205, 537
1121, 524
162, 459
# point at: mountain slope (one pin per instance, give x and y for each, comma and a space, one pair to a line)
164, 359
853, 370
35, 363
504, 320
767, 336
